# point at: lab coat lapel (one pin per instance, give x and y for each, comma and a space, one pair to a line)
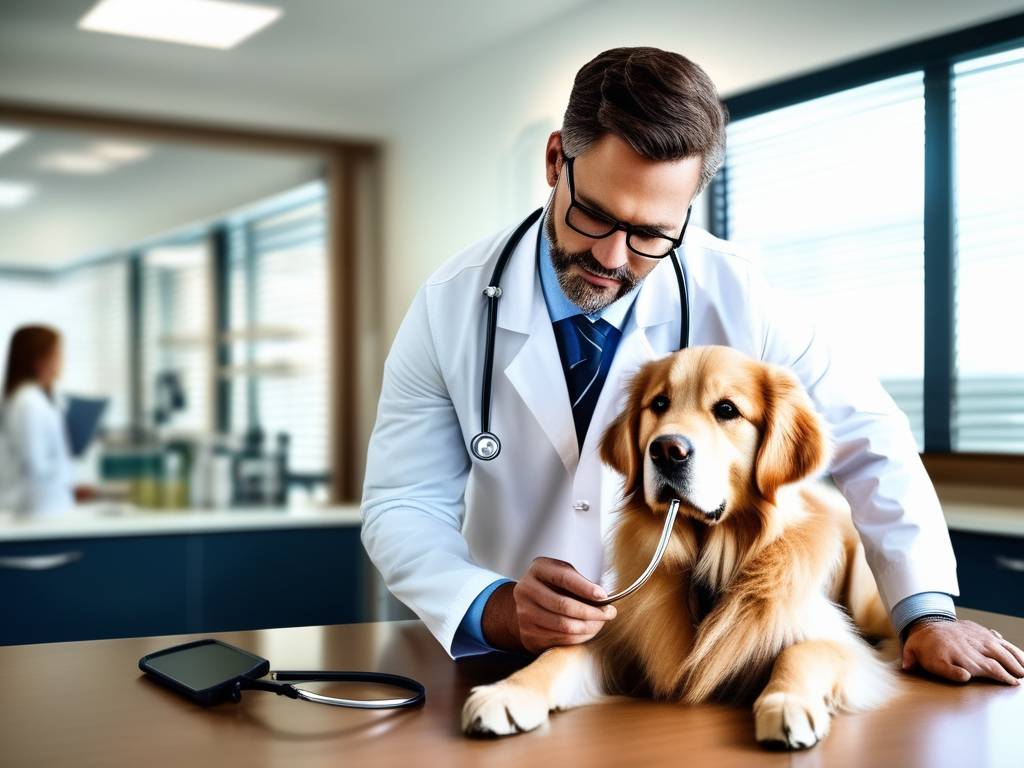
656, 304
536, 370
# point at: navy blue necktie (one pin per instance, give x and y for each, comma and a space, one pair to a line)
586, 349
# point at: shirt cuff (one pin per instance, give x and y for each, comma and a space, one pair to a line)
914, 607
469, 637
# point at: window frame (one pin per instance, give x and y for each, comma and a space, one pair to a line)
352, 168
936, 58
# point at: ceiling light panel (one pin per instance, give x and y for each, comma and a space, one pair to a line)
206, 23
10, 138
77, 163
120, 152
14, 193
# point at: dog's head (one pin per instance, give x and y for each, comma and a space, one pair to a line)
710, 426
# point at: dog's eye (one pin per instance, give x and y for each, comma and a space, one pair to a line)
660, 404
726, 410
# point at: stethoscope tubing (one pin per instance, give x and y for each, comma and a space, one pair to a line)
282, 688
485, 445
666, 535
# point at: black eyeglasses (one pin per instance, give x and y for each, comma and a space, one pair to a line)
643, 241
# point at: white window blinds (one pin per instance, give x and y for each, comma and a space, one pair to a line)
832, 191
177, 323
278, 282
988, 414
93, 315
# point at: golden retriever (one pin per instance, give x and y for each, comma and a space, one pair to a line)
763, 594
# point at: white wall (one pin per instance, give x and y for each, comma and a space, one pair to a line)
465, 149
89, 309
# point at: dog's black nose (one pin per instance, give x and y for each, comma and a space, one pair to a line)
670, 452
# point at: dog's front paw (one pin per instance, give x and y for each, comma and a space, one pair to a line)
789, 720
502, 709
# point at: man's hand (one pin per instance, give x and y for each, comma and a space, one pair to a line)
960, 650
541, 610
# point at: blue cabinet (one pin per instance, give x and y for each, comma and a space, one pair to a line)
94, 588
990, 570
265, 579
78, 589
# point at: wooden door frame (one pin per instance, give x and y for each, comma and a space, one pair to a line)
338, 155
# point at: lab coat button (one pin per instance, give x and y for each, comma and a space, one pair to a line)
581, 505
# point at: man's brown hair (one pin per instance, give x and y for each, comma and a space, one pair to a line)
661, 103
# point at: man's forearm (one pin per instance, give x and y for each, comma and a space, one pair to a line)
499, 623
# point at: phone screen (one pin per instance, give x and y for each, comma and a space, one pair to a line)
204, 666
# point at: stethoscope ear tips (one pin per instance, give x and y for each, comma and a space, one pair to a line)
485, 446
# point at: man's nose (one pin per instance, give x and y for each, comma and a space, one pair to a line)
670, 452
611, 251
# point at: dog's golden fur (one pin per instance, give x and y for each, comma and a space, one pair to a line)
764, 597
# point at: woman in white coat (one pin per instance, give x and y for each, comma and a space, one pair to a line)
35, 461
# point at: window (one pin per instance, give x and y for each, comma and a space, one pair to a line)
988, 413
832, 191
279, 320
177, 332
278, 332
93, 315
884, 192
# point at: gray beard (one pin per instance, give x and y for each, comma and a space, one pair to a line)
589, 298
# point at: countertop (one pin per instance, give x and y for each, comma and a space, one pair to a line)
87, 704
967, 508
108, 519
983, 510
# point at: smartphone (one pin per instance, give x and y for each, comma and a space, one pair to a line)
205, 671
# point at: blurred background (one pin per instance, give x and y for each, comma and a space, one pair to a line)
224, 210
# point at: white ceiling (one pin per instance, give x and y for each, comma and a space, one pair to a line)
324, 67
74, 217
342, 67
382, 70
329, 57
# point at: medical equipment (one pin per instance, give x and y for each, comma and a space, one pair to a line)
666, 534
486, 445
210, 671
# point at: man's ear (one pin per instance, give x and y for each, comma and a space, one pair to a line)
620, 448
553, 158
794, 442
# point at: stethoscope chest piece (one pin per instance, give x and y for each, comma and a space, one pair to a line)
485, 446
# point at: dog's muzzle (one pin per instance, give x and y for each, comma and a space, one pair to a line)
671, 455
672, 458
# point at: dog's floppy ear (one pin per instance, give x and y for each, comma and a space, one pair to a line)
620, 447
794, 443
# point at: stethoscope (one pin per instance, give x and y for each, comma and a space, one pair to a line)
486, 445
282, 688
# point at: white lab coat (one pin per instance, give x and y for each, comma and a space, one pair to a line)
35, 463
440, 524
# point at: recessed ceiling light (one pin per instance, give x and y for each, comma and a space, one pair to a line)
10, 138
206, 23
74, 162
120, 152
14, 193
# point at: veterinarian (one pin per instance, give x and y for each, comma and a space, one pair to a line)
489, 522
36, 474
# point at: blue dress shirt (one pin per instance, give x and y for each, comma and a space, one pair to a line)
469, 638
